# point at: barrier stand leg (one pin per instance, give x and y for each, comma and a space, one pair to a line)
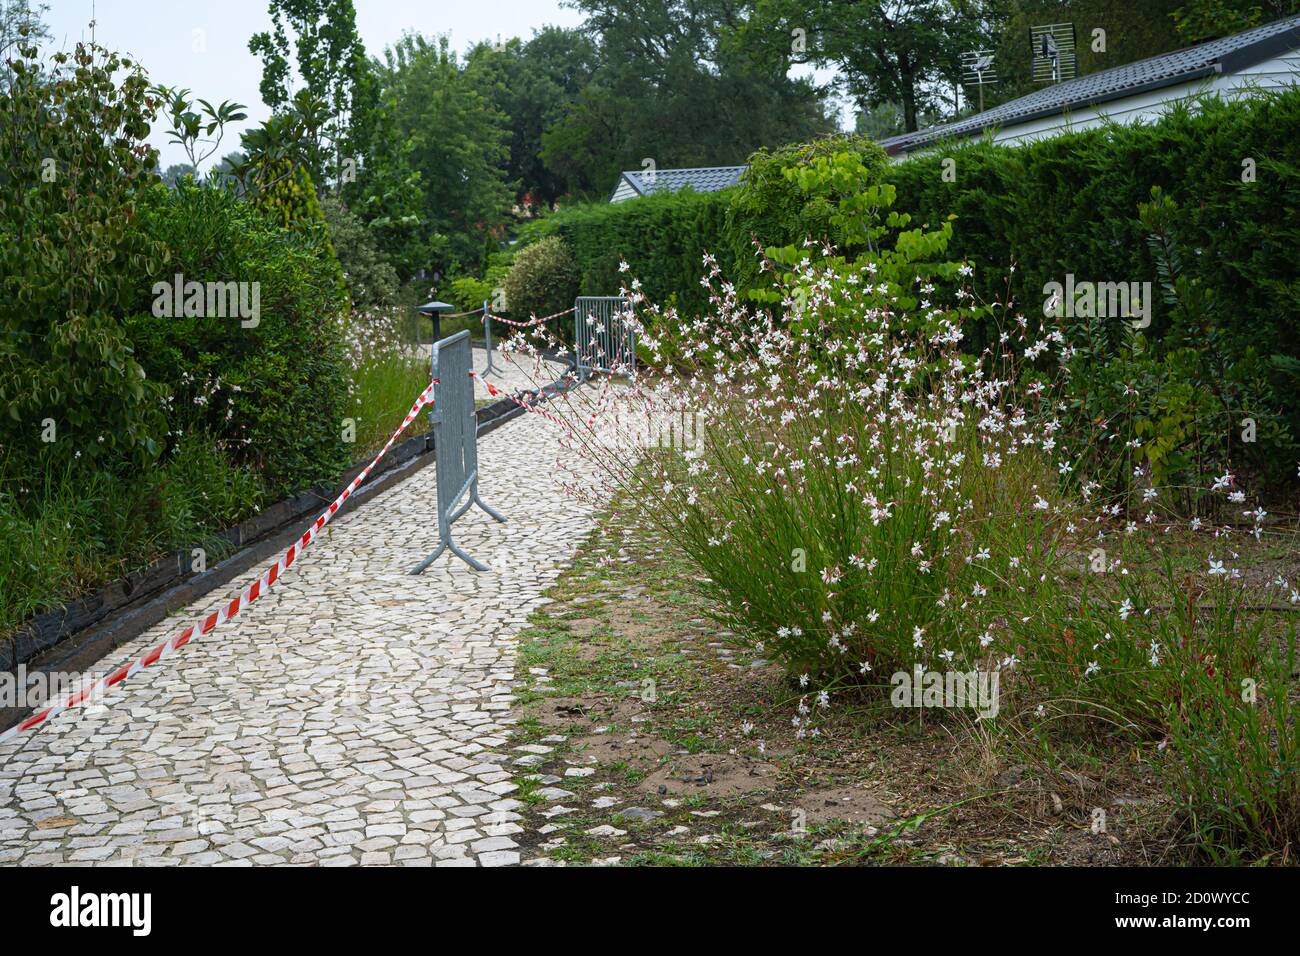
475, 499
444, 531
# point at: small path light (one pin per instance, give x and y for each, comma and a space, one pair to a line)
434, 311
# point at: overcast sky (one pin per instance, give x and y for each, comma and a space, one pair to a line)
202, 45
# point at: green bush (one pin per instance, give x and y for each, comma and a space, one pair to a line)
273, 394
370, 277
662, 237
72, 256
772, 210
543, 279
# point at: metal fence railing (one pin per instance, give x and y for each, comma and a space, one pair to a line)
604, 339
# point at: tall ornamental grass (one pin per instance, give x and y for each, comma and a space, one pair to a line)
388, 373
861, 497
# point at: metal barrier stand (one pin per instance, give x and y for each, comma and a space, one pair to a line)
603, 341
455, 443
487, 340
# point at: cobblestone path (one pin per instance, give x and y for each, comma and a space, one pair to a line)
353, 715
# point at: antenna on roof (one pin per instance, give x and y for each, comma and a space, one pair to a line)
977, 70
1054, 57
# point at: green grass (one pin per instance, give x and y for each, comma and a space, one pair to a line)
82, 529
387, 378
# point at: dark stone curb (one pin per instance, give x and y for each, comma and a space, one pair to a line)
75, 636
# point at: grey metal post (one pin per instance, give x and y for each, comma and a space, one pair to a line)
487, 341
455, 443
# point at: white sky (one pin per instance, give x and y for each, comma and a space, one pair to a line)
203, 44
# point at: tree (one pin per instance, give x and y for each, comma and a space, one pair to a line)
332, 64
673, 87
887, 51
449, 132
1132, 32
389, 198
72, 258
196, 124
534, 84
370, 276
1200, 20
19, 20
176, 172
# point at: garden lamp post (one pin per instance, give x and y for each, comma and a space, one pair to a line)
434, 311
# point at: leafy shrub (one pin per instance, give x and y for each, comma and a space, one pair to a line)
72, 254
274, 394
772, 209
543, 279
468, 292
371, 278
288, 196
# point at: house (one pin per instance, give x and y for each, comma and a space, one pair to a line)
1266, 57
704, 179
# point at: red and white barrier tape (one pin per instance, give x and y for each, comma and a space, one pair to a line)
531, 322
496, 393
214, 620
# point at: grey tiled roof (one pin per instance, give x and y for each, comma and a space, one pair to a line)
705, 179
1225, 55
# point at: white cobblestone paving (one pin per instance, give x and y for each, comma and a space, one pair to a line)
353, 715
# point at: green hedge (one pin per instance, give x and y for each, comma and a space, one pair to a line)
663, 238
1068, 204
273, 394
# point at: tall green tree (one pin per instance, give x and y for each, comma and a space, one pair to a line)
673, 87
1132, 31
906, 52
318, 40
534, 84
1199, 20
457, 140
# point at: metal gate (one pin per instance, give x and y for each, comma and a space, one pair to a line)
604, 339
455, 443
